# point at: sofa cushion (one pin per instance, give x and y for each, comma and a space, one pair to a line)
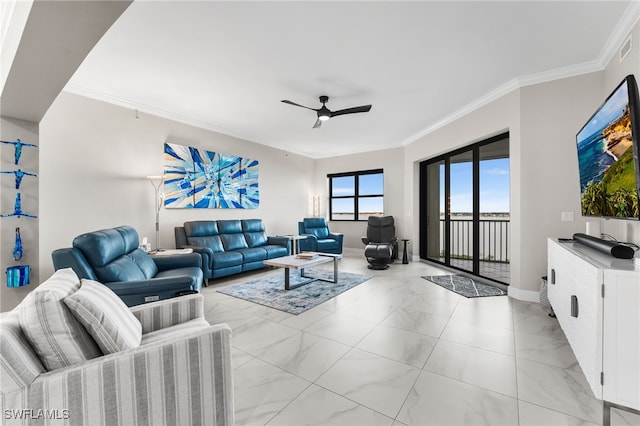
121, 269
105, 316
19, 364
256, 239
252, 225
146, 264
53, 332
229, 227
320, 233
104, 246
275, 251
255, 254
234, 241
213, 242
201, 228
327, 244
226, 259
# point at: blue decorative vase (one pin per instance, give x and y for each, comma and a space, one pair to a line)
18, 276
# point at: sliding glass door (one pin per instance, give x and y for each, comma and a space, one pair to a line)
464, 209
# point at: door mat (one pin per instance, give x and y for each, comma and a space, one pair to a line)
465, 286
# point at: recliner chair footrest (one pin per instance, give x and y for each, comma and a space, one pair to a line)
381, 250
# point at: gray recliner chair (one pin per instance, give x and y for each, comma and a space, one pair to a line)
381, 242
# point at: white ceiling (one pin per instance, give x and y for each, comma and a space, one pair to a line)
225, 66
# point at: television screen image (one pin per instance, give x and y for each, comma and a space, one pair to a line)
608, 156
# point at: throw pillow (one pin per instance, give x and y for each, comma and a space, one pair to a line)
55, 335
105, 316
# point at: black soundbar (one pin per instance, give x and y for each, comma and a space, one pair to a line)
609, 247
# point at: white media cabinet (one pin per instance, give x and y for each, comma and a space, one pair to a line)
596, 299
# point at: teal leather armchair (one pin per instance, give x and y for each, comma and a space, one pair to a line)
319, 237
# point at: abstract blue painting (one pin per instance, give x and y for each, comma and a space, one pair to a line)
196, 178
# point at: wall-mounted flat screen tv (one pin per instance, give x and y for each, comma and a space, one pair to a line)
608, 156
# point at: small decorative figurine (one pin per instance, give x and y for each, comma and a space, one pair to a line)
17, 210
19, 174
18, 144
17, 248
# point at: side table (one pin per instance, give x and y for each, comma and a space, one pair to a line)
405, 257
295, 242
170, 252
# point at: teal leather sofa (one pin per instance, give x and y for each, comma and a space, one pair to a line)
230, 246
113, 258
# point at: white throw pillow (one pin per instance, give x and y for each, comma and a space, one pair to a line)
53, 332
105, 316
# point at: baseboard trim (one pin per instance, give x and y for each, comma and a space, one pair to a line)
524, 295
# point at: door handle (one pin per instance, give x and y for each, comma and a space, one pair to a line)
553, 276
574, 306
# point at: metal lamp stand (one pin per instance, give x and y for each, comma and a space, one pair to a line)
156, 181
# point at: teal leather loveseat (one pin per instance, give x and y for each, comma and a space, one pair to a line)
112, 257
229, 247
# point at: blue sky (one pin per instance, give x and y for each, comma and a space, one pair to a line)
494, 186
368, 185
611, 110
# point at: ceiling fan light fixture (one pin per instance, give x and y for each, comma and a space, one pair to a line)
325, 113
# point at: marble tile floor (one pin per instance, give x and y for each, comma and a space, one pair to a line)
495, 270
399, 350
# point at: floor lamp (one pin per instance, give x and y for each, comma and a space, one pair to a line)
156, 181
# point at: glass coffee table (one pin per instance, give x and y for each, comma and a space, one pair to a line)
304, 260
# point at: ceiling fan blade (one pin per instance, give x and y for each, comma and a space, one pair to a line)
318, 123
298, 105
364, 108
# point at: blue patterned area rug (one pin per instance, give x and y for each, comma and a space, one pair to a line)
269, 291
465, 286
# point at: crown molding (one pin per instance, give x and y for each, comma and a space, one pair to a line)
629, 18
477, 104
146, 109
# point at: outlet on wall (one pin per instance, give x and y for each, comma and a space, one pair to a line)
567, 216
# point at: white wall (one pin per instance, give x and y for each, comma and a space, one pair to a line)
95, 159
390, 160
551, 114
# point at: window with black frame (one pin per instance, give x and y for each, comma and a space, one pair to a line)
356, 195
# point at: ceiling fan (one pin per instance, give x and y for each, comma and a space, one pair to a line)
325, 113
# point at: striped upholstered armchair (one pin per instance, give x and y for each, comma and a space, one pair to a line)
159, 363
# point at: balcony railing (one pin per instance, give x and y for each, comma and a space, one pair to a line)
494, 239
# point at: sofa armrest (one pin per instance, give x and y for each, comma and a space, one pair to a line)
365, 240
140, 291
280, 241
186, 381
308, 244
336, 235
165, 313
175, 261
205, 252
